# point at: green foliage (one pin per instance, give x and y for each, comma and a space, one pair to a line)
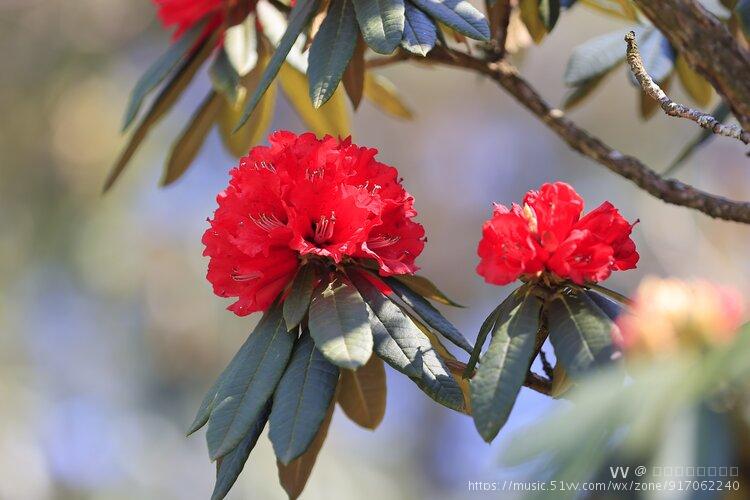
297, 302
459, 15
381, 23
298, 19
549, 10
504, 366
247, 388
401, 344
429, 314
420, 34
579, 331
331, 50
339, 325
301, 400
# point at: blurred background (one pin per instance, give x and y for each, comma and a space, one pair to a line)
110, 334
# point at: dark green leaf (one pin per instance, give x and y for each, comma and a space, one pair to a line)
505, 307
381, 22
242, 397
743, 15
579, 331
224, 77
459, 15
429, 314
608, 306
503, 369
177, 52
401, 344
331, 50
596, 57
339, 325
186, 147
425, 288
420, 33
163, 102
298, 19
721, 113
549, 10
298, 300
229, 467
301, 400
579, 93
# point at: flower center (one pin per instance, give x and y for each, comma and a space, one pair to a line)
323, 228
267, 222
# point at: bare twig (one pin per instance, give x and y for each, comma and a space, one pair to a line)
668, 190
538, 383
379, 62
708, 47
671, 108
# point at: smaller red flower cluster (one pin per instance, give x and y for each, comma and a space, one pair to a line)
548, 234
303, 196
184, 14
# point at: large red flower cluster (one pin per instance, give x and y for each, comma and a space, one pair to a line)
548, 235
184, 14
302, 198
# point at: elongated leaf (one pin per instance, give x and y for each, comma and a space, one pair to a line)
429, 314
362, 393
459, 15
339, 325
301, 400
241, 399
434, 378
549, 11
695, 85
253, 131
177, 53
382, 93
396, 351
503, 309
420, 33
354, 75
298, 19
532, 19
580, 332
331, 118
331, 51
608, 306
293, 477
721, 113
503, 368
298, 300
381, 23
229, 467
163, 102
578, 94
224, 77
425, 288
187, 146
596, 57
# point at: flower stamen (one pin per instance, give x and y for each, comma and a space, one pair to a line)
267, 222
382, 241
324, 228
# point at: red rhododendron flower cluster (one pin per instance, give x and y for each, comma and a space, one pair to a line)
184, 14
548, 235
306, 198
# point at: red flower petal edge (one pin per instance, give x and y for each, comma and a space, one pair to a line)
303, 198
548, 237
184, 14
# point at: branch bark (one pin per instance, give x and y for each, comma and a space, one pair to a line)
707, 46
671, 108
668, 190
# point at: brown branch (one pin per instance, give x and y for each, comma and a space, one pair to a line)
498, 14
671, 108
538, 383
379, 62
707, 46
668, 190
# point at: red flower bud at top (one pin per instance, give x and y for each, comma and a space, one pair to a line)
548, 235
184, 14
302, 198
